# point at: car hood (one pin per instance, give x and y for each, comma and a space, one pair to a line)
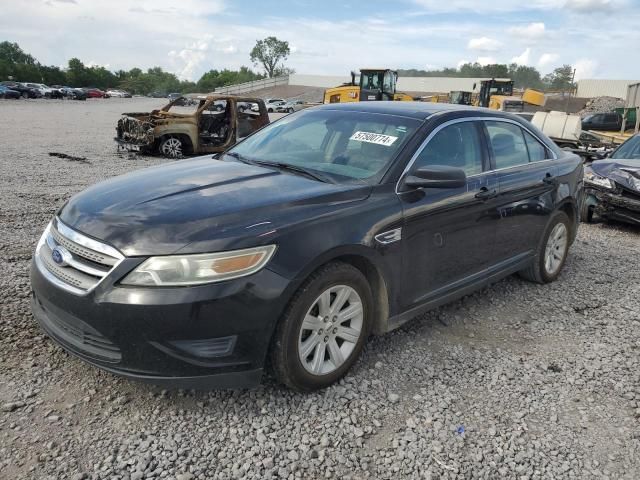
622, 171
201, 205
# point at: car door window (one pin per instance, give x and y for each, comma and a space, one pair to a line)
508, 144
537, 151
456, 145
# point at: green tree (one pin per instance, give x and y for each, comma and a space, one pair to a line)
525, 77
268, 53
560, 79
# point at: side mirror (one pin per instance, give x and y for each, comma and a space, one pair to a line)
436, 176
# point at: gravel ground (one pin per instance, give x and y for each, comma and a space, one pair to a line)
517, 381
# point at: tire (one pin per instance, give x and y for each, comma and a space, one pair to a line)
552, 251
171, 147
241, 109
218, 108
270, 110
323, 364
290, 110
25, 95
586, 213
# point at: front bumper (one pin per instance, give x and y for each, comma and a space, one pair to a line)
211, 336
619, 204
133, 147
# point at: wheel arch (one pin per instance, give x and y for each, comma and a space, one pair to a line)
368, 262
569, 206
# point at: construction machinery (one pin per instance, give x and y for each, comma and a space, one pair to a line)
459, 97
374, 84
497, 94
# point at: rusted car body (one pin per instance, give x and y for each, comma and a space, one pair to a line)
177, 130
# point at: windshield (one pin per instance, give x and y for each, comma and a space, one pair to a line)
344, 145
629, 150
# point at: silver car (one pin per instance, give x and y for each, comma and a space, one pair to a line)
291, 106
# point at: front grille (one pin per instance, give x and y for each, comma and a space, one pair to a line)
82, 261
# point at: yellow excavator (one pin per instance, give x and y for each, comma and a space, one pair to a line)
375, 84
497, 94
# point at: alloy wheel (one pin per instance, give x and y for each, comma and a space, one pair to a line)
330, 330
172, 147
556, 249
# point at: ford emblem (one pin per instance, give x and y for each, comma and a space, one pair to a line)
60, 256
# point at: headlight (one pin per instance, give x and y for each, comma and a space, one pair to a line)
591, 177
183, 270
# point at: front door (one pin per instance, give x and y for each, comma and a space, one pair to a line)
527, 182
448, 233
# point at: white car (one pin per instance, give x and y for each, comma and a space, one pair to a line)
44, 90
118, 93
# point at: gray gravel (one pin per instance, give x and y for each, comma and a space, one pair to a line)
517, 381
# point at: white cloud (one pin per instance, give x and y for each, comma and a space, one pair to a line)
438, 6
523, 58
484, 44
462, 62
589, 6
585, 68
531, 31
547, 59
486, 60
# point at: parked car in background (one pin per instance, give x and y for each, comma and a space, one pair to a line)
158, 94
173, 96
273, 105
118, 93
608, 122
295, 245
213, 125
25, 92
612, 185
6, 92
95, 93
291, 106
73, 93
45, 90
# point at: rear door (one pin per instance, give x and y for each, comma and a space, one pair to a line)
526, 173
448, 233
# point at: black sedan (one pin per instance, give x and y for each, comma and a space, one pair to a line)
6, 92
25, 92
612, 185
318, 230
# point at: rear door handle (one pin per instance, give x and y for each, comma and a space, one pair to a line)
486, 194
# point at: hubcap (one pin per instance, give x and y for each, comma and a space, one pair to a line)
556, 249
330, 330
172, 148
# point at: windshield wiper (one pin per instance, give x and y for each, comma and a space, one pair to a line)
239, 157
297, 169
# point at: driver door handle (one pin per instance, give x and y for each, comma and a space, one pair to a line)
486, 194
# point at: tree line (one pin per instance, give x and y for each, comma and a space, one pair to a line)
20, 66
561, 79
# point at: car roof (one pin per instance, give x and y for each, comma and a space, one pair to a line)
417, 110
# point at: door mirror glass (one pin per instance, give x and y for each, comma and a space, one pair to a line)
436, 176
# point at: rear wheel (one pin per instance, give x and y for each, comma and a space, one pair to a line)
171, 147
25, 94
324, 328
552, 251
290, 110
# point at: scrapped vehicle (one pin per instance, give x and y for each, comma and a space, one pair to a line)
6, 92
25, 92
612, 185
606, 122
212, 125
95, 93
296, 244
273, 105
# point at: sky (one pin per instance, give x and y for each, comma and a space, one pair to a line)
189, 37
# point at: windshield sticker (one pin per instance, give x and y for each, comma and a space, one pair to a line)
377, 138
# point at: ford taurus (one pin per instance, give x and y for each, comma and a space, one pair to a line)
290, 249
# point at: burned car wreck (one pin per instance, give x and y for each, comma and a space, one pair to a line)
209, 124
612, 185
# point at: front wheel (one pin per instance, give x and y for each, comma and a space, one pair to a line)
324, 328
552, 251
290, 110
171, 147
